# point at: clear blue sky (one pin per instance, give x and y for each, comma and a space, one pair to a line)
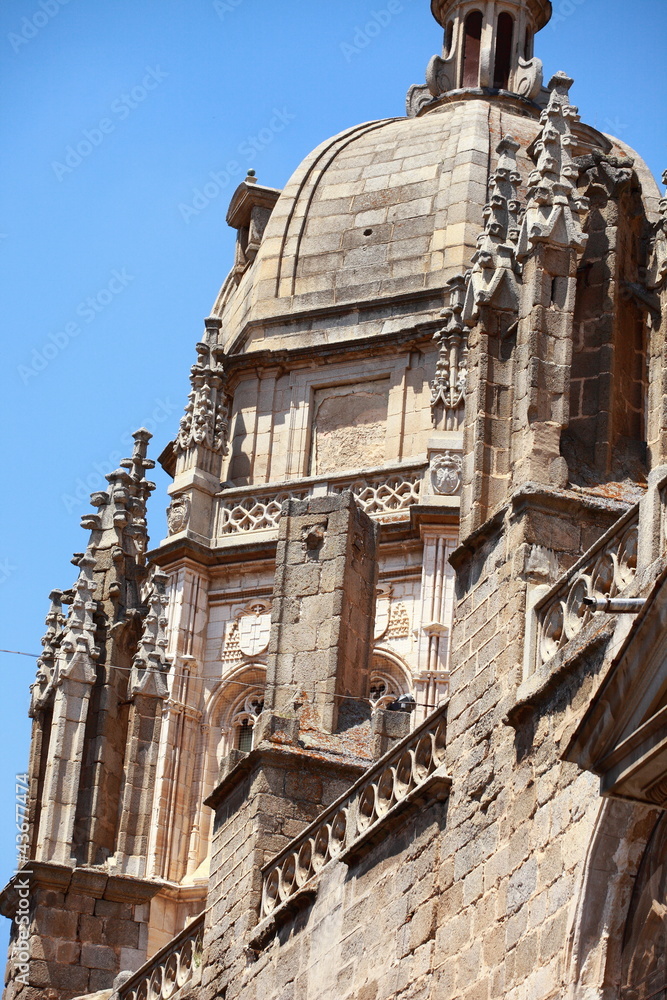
162, 93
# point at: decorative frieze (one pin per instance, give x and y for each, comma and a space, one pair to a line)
410, 775
255, 512
170, 969
385, 496
605, 570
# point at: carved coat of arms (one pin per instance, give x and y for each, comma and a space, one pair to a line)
254, 630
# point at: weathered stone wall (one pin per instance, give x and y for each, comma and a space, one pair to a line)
80, 939
265, 801
323, 608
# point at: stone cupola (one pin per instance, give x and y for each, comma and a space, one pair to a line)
488, 46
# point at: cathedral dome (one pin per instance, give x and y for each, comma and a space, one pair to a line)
390, 210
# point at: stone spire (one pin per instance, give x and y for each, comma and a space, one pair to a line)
493, 279
150, 663
488, 49
206, 416
554, 207
54, 621
195, 457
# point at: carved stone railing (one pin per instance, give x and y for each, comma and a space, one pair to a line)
255, 511
412, 774
607, 569
170, 969
386, 496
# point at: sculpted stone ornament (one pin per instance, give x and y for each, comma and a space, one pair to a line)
449, 385
445, 473
178, 514
77, 652
55, 621
150, 663
657, 271
206, 419
554, 207
528, 78
255, 628
493, 277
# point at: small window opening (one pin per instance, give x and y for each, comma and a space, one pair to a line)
244, 737
528, 45
503, 61
368, 232
471, 49
449, 39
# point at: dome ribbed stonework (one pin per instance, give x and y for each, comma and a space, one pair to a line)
385, 210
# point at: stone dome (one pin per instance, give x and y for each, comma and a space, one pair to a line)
384, 212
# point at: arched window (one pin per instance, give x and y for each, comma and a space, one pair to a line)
244, 736
388, 681
503, 60
471, 48
244, 718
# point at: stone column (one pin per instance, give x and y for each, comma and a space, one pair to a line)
323, 608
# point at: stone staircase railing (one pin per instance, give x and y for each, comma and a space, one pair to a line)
411, 774
169, 969
607, 569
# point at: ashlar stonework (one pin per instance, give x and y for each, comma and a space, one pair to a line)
383, 716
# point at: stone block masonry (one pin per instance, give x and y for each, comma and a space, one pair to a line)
323, 609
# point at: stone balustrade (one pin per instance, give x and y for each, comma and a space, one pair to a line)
170, 969
386, 496
607, 569
411, 774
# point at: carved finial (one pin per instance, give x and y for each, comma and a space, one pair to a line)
55, 620
206, 418
138, 464
77, 651
150, 663
448, 386
554, 204
493, 277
